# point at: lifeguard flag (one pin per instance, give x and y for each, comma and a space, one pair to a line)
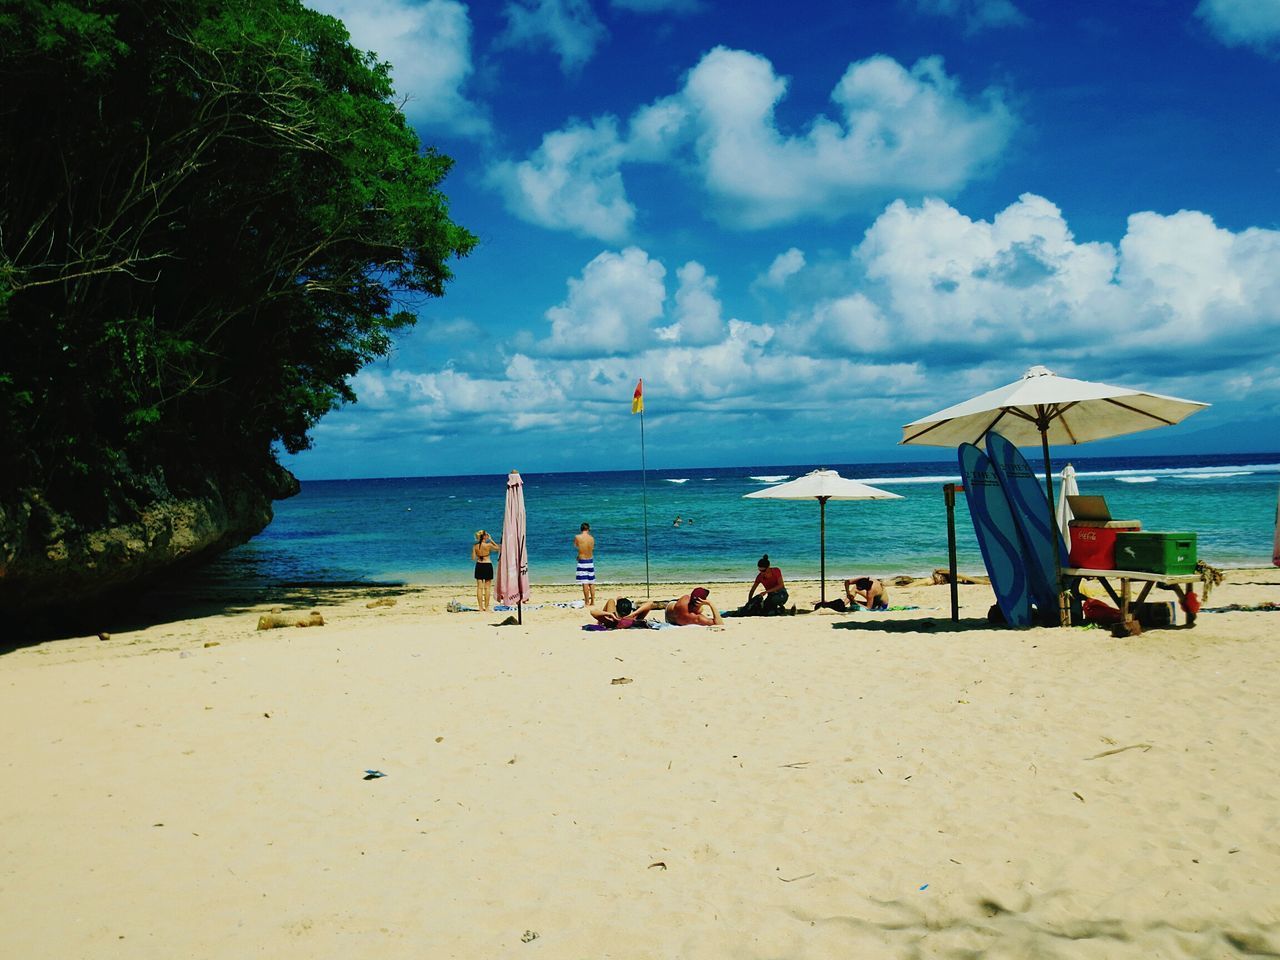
637, 399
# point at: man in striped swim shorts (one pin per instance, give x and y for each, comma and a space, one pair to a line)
586, 545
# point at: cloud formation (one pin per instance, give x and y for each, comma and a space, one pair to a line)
942, 305
429, 47
976, 15
898, 132
571, 182
1243, 23
569, 28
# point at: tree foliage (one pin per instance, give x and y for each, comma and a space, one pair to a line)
212, 214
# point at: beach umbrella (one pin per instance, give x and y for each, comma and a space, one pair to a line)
1052, 409
1046, 408
1067, 488
511, 584
822, 485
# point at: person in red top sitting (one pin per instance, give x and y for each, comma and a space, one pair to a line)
772, 600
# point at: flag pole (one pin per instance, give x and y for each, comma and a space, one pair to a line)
644, 486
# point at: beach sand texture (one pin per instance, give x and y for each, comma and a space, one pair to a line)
831, 785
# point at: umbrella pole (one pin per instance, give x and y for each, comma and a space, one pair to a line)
1064, 610
822, 537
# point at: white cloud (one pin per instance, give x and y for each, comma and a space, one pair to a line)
571, 182
1253, 23
976, 15
698, 314
784, 267
611, 307
569, 27
900, 132
429, 47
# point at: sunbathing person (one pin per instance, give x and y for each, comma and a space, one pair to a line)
693, 608
867, 591
622, 613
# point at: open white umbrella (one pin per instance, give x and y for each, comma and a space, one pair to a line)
822, 485
1067, 488
1046, 408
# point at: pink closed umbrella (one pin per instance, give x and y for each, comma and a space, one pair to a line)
512, 581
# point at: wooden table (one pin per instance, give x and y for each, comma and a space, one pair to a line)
1174, 581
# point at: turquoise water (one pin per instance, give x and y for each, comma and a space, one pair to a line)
419, 530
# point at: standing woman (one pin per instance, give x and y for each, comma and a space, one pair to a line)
480, 551
773, 599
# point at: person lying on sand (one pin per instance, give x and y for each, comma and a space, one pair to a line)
693, 608
622, 613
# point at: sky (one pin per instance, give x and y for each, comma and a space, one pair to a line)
807, 224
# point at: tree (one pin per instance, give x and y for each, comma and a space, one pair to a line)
212, 214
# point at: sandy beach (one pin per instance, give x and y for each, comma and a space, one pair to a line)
830, 785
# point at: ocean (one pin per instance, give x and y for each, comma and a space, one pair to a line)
419, 530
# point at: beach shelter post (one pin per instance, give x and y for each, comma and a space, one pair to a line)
637, 406
822, 485
949, 496
512, 581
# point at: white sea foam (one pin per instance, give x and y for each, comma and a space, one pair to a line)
772, 479
676, 479
1145, 478
1209, 475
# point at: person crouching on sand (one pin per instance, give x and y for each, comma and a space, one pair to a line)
622, 613
772, 599
693, 608
480, 553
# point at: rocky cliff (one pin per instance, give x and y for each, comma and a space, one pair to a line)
56, 559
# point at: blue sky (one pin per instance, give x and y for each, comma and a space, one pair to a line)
806, 224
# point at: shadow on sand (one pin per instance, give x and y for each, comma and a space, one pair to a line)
917, 625
188, 597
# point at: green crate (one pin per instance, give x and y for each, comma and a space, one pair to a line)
1172, 553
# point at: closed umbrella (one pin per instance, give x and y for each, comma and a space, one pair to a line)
822, 485
1068, 489
511, 585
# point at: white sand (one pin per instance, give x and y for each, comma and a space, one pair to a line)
783, 788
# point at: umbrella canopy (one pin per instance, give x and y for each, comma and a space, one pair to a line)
1068, 488
511, 584
1043, 406
822, 485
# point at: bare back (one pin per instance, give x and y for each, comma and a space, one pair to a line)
586, 545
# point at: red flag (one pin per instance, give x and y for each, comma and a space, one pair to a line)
637, 401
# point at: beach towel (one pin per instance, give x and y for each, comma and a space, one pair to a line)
626, 623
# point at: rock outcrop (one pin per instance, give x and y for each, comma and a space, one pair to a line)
56, 560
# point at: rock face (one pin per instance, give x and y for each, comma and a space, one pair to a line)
55, 561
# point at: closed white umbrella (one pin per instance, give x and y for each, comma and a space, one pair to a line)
1068, 488
822, 485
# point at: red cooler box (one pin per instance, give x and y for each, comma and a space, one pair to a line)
1093, 542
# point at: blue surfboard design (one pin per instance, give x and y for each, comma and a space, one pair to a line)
1031, 514
997, 534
